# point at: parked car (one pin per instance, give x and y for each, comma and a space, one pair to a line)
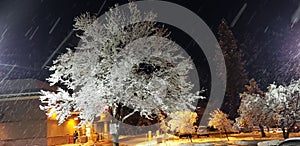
291, 142
202, 131
269, 143
296, 128
184, 135
278, 130
240, 129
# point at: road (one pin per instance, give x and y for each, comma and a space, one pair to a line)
133, 140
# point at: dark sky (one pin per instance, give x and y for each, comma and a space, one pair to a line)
263, 32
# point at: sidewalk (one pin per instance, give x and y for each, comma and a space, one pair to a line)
100, 143
124, 141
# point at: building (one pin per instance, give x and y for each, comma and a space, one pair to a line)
21, 120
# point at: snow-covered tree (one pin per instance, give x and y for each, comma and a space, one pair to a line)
253, 112
182, 121
125, 61
253, 109
284, 102
220, 121
280, 103
235, 69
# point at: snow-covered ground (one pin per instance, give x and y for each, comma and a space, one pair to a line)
242, 138
234, 139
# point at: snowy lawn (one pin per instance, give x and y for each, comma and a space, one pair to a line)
241, 138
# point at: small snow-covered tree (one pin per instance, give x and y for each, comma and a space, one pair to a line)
182, 121
284, 102
125, 61
220, 121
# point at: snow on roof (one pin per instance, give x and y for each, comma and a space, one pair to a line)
23, 87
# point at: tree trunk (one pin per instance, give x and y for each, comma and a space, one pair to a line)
115, 134
262, 131
289, 130
226, 134
116, 117
115, 138
285, 133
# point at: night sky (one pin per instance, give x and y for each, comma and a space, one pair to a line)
263, 31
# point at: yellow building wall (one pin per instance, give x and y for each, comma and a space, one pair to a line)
60, 134
67, 128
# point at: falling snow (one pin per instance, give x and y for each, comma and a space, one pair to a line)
54, 25
295, 17
28, 31
266, 29
34, 32
237, 17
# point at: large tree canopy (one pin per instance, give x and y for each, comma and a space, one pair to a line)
119, 65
